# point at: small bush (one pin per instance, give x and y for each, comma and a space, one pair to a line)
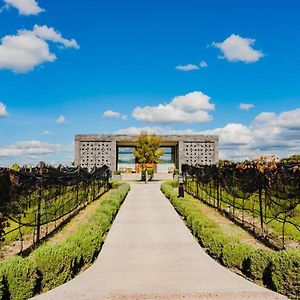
279, 271
58, 263
214, 241
235, 253
257, 264
18, 278
115, 184
285, 273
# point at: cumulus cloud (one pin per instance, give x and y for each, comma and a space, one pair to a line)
203, 64
246, 106
233, 134
27, 49
3, 110
190, 108
111, 114
236, 48
33, 151
61, 120
50, 34
186, 68
25, 7
25, 148
114, 115
268, 133
157, 130
191, 67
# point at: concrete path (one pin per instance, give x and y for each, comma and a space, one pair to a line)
150, 254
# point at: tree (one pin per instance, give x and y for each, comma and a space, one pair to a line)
147, 149
15, 167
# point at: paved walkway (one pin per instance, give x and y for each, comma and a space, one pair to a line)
150, 254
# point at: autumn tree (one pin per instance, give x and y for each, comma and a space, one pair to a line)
148, 149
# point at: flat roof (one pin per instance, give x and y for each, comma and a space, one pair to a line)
131, 138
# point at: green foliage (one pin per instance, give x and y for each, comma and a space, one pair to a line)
58, 263
15, 167
257, 264
147, 149
234, 254
18, 278
279, 271
285, 273
115, 184
176, 172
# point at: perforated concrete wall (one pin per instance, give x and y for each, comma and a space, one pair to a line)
95, 154
198, 153
97, 150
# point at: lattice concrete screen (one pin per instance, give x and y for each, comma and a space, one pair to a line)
98, 150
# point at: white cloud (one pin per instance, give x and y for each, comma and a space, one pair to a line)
48, 132
236, 48
25, 148
3, 110
50, 34
193, 101
246, 106
114, 115
27, 49
33, 151
23, 52
190, 108
25, 7
233, 134
203, 64
111, 114
186, 68
157, 130
61, 120
290, 119
268, 133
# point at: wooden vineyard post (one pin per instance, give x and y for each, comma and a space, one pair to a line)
261, 209
38, 221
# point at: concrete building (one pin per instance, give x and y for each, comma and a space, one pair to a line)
116, 151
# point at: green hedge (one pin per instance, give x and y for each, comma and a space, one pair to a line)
54, 264
18, 278
285, 272
279, 271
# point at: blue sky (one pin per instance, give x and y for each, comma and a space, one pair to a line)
117, 66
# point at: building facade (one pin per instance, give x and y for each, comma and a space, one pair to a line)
116, 151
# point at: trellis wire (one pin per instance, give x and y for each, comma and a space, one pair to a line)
32, 198
265, 195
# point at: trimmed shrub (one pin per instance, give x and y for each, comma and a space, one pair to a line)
214, 241
279, 271
285, 273
57, 263
235, 253
18, 278
257, 264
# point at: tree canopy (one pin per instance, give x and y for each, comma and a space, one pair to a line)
148, 149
